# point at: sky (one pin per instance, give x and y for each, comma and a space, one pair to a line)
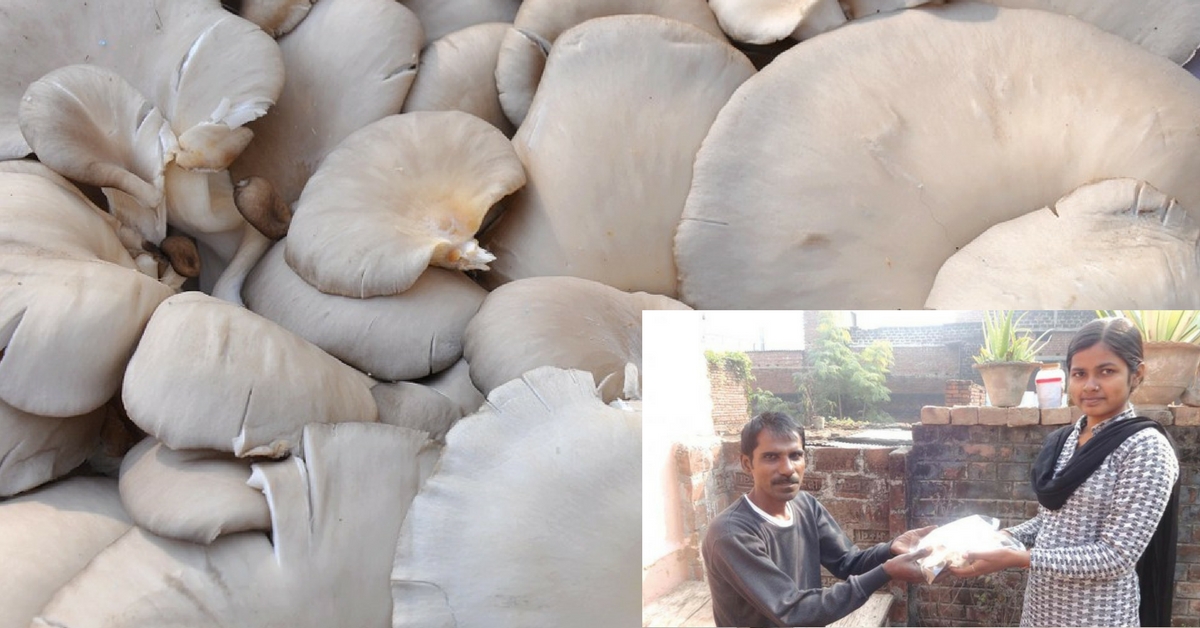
776, 330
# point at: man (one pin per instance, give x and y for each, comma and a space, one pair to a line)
763, 554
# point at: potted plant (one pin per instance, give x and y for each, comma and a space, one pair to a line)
1006, 359
1170, 350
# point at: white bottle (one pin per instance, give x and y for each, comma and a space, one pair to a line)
1049, 383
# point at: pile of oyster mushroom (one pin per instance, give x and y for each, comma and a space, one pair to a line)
329, 313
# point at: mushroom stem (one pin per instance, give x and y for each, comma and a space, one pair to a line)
263, 207
251, 249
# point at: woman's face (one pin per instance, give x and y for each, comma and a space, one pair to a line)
1099, 382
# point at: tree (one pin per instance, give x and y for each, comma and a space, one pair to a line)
841, 381
766, 401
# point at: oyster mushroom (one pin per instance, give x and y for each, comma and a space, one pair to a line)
36, 449
192, 495
335, 518
768, 21
399, 195
867, 162
1114, 243
211, 375
277, 17
431, 404
559, 321
568, 569
49, 535
540, 22
405, 336
442, 17
602, 205
458, 74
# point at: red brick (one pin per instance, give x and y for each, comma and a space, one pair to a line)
845, 511
897, 523
898, 463
1194, 607
981, 471
898, 614
694, 487
985, 452
989, 415
950, 611
964, 415
1162, 414
854, 487
1023, 416
834, 459
1056, 416
1186, 415
1194, 573
876, 460
692, 460
897, 494
935, 415
1188, 553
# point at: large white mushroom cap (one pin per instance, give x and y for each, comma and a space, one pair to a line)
405, 336
399, 195
894, 143
551, 526
442, 17
431, 404
49, 535
1118, 243
767, 21
37, 449
559, 321
212, 375
458, 74
72, 303
192, 494
600, 204
349, 63
207, 70
335, 518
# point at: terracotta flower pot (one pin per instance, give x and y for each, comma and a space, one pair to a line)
1170, 369
1006, 382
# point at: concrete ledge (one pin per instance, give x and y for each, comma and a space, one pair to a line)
964, 415
989, 415
1186, 415
1057, 416
1023, 416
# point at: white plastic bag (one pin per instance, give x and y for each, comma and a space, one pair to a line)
951, 543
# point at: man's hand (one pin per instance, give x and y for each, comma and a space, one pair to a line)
907, 542
905, 568
991, 561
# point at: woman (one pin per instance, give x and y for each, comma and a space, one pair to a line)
1108, 496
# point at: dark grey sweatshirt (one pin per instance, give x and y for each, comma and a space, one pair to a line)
764, 575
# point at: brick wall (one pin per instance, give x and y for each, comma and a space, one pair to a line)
731, 407
705, 494
963, 392
962, 467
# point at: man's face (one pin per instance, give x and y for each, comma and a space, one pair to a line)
777, 465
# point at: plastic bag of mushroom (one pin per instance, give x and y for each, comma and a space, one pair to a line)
951, 543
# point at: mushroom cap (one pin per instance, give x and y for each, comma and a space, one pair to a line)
558, 321
211, 375
1125, 244
539, 23
88, 123
1170, 28
72, 304
567, 569
335, 518
761, 21
368, 48
857, 9
431, 404
442, 17
458, 74
37, 449
405, 336
192, 495
197, 63
399, 195
864, 160
49, 535
603, 205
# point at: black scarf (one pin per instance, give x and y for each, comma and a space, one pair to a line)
1156, 567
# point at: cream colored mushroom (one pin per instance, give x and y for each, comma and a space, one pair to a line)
558, 321
211, 375
1115, 243
364, 48
49, 535
397, 196
604, 205
192, 495
36, 449
879, 165
767, 21
404, 336
431, 404
458, 74
335, 518
442, 17
277, 17
539, 23
563, 445
72, 302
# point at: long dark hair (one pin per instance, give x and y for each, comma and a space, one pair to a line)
1118, 334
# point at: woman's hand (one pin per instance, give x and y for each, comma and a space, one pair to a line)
991, 561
